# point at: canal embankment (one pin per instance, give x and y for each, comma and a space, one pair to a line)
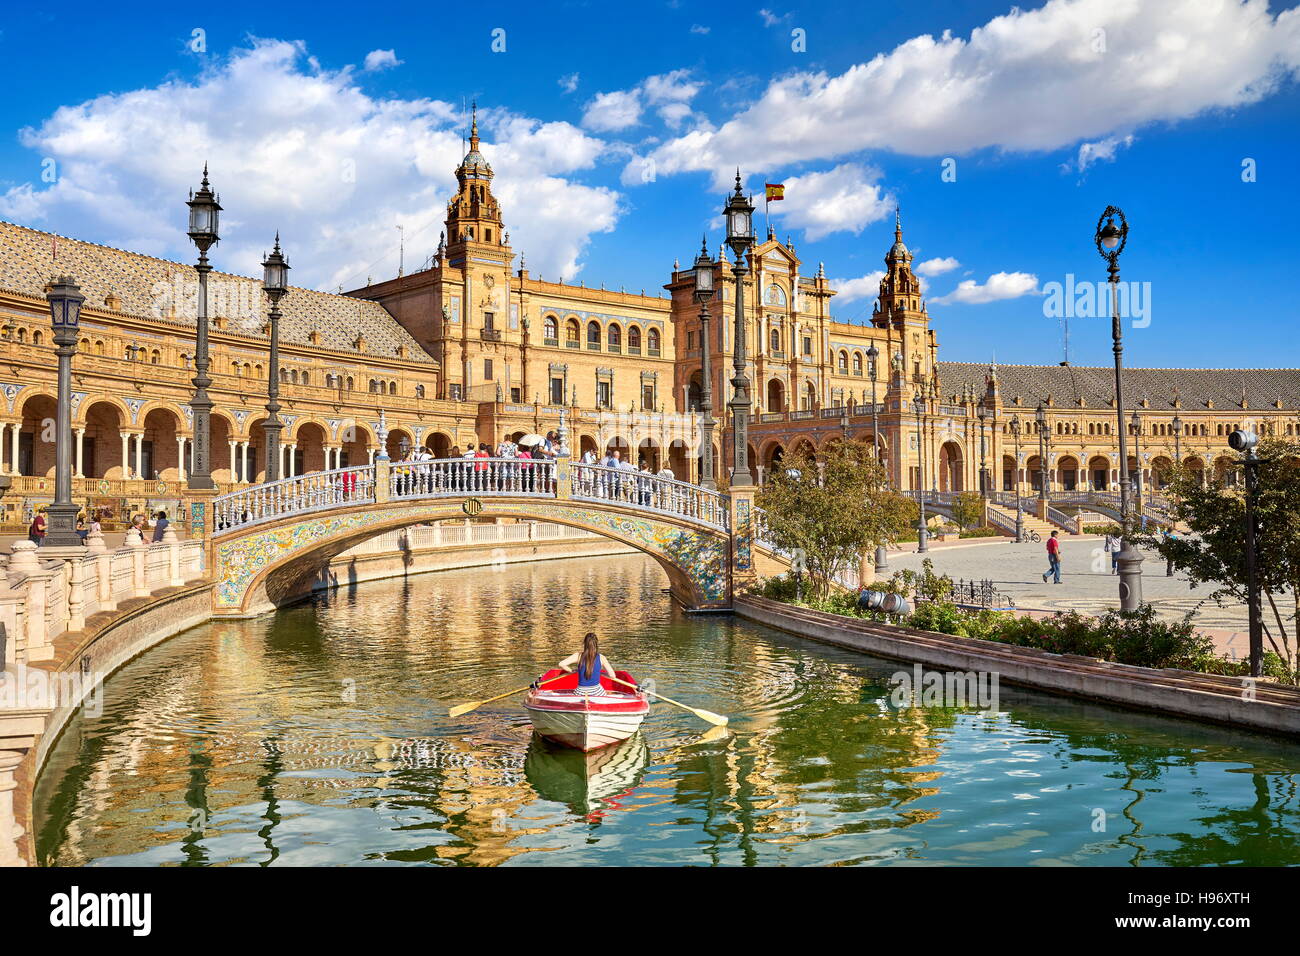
1230, 701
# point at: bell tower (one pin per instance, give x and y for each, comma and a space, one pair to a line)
473, 214
901, 309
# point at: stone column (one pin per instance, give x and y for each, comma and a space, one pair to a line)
13, 460
180, 457
139, 456
10, 829
234, 472
126, 453
244, 451
79, 470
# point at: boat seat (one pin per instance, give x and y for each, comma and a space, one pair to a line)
570, 681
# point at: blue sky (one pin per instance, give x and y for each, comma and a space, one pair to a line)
613, 132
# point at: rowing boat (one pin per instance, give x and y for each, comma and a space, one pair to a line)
581, 721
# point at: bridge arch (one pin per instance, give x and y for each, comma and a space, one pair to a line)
262, 566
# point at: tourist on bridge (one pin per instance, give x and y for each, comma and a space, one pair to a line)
160, 524
589, 663
525, 457
667, 492
609, 483
1053, 558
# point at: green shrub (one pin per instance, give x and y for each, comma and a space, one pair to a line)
1101, 529
981, 533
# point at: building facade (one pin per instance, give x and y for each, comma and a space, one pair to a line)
474, 348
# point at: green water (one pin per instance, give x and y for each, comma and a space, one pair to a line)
319, 735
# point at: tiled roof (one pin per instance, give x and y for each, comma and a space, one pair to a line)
1066, 384
160, 289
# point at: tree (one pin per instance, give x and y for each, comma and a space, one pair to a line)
830, 513
1215, 550
968, 509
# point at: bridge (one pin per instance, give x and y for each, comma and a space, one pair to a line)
267, 542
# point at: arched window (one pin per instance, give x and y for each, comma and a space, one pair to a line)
552, 328
652, 341
99, 347
248, 369
593, 335
392, 388
284, 376
22, 335
419, 391
615, 338
774, 338
857, 363
374, 386
634, 338
351, 385
572, 331
844, 363
38, 339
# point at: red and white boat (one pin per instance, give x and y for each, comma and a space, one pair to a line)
580, 720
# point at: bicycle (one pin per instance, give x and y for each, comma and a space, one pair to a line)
1032, 535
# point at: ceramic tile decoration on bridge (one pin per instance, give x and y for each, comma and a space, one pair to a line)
266, 540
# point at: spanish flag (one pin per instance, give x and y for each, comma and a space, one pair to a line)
775, 192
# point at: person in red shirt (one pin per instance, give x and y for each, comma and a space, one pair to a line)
36, 533
1053, 559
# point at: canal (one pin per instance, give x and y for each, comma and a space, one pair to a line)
319, 735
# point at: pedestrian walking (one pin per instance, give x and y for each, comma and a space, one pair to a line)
1112, 547
1053, 559
36, 532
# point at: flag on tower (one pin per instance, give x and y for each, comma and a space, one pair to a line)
775, 192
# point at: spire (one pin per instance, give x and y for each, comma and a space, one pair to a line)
704, 245
473, 127
898, 224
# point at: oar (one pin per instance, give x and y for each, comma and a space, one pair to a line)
475, 705
716, 719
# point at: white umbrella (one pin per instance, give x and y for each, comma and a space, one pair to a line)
531, 439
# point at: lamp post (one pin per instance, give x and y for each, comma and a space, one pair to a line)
1137, 458
1177, 425
1110, 240
1020, 508
275, 283
982, 413
1040, 419
1244, 441
205, 211
873, 353
739, 214
65, 300
703, 293
922, 532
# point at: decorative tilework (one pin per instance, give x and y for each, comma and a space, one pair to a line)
699, 554
744, 536
11, 392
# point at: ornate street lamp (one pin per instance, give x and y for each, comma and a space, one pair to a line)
1040, 419
982, 413
1245, 441
1137, 457
65, 300
873, 353
205, 212
1110, 239
275, 283
922, 532
739, 215
1177, 425
703, 293
1015, 476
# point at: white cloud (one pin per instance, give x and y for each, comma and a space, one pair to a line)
864, 287
305, 151
568, 82
613, 111
620, 109
381, 60
1028, 81
1101, 151
843, 199
936, 267
1000, 285
770, 19
700, 29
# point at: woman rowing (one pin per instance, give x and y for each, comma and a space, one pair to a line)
589, 663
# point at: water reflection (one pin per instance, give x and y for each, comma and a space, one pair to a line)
319, 735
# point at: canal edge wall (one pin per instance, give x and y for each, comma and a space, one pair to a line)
1210, 698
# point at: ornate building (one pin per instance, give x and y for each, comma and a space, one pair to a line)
473, 348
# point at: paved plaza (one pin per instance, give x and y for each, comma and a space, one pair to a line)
1086, 582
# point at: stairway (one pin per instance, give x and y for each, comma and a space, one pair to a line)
1032, 522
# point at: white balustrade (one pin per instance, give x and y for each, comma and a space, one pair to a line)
643, 491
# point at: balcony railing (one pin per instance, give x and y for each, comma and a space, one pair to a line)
553, 342
490, 335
